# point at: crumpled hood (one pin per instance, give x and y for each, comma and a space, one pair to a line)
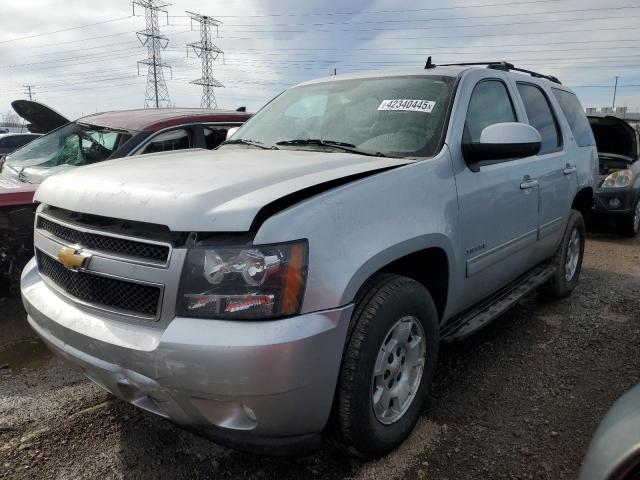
200, 190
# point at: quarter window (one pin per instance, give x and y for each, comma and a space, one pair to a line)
576, 117
541, 117
490, 104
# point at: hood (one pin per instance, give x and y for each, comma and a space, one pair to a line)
615, 136
15, 192
219, 191
42, 119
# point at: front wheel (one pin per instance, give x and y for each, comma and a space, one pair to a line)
567, 259
388, 366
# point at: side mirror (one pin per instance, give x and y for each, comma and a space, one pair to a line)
501, 141
231, 132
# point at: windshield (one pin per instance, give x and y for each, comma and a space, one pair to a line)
72, 145
392, 116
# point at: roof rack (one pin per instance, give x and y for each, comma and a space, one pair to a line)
504, 66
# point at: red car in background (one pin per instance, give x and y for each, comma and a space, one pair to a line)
91, 139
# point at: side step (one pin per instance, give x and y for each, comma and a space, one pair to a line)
471, 321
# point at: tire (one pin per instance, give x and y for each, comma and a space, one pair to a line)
565, 278
631, 224
389, 301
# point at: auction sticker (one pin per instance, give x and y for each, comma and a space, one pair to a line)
403, 105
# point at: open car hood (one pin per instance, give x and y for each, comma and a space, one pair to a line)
203, 191
615, 136
42, 119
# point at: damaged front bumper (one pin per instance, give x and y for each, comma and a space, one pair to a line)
264, 386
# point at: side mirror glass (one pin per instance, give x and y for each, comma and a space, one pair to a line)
231, 132
502, 141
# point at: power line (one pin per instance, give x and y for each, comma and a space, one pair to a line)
370, 12
440, 19
29, 91
64, 30
156, 92
208, 53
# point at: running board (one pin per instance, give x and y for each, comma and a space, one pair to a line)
471, 321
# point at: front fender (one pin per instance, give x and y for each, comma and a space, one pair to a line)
356, 229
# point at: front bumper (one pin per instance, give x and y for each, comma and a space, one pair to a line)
626, 196
255, 385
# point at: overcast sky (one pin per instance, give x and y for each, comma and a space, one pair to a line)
271, 44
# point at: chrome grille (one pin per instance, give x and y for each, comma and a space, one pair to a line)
101, 291
105, 243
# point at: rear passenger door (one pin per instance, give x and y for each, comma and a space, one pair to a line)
553, 170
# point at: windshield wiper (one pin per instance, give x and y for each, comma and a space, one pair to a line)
346, 147
252, 143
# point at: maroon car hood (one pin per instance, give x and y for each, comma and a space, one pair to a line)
15, 192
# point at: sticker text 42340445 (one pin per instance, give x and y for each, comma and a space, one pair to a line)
405, 105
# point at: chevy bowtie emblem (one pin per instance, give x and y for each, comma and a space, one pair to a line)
73, 259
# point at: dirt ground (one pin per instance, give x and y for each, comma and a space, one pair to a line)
520, 399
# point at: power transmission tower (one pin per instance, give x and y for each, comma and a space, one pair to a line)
156, 94
208, 53
29, 91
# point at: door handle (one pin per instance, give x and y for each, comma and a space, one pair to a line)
528, 183
569, 169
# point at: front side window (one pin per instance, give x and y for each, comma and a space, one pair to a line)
214, 135
178, 139
575, 116
392, 116
490, 104
541, 117
73, 145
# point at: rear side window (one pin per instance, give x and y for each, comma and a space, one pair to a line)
541, 117
576, 117
172, 140
490, 103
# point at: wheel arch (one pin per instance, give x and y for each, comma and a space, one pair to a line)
583, 201
429, 263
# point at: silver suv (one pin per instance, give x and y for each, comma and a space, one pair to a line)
299, 279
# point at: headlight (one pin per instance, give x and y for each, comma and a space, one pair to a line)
619, 179
256, 282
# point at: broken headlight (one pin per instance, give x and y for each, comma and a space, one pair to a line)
619, 179
254, 282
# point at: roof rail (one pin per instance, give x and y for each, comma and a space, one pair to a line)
504, 66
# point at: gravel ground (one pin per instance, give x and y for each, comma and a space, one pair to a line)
520, 399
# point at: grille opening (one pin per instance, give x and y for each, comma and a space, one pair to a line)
95, 241
102, 291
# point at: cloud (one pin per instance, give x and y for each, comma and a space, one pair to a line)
271, 44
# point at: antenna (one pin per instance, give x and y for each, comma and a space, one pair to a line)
156, 94
429, 65
208, 53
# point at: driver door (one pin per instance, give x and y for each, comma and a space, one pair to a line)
498, 202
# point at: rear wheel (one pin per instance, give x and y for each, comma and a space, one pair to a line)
388, 366
631, 225
567, 259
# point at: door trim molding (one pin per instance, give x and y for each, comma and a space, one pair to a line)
483, 261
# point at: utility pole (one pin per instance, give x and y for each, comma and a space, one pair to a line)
208, 53
156, 94
29, 91
615, 90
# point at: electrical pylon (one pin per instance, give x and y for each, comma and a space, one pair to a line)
156, 93
208, 53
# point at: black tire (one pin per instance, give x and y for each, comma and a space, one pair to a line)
629, 225
387, 299
558, 285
